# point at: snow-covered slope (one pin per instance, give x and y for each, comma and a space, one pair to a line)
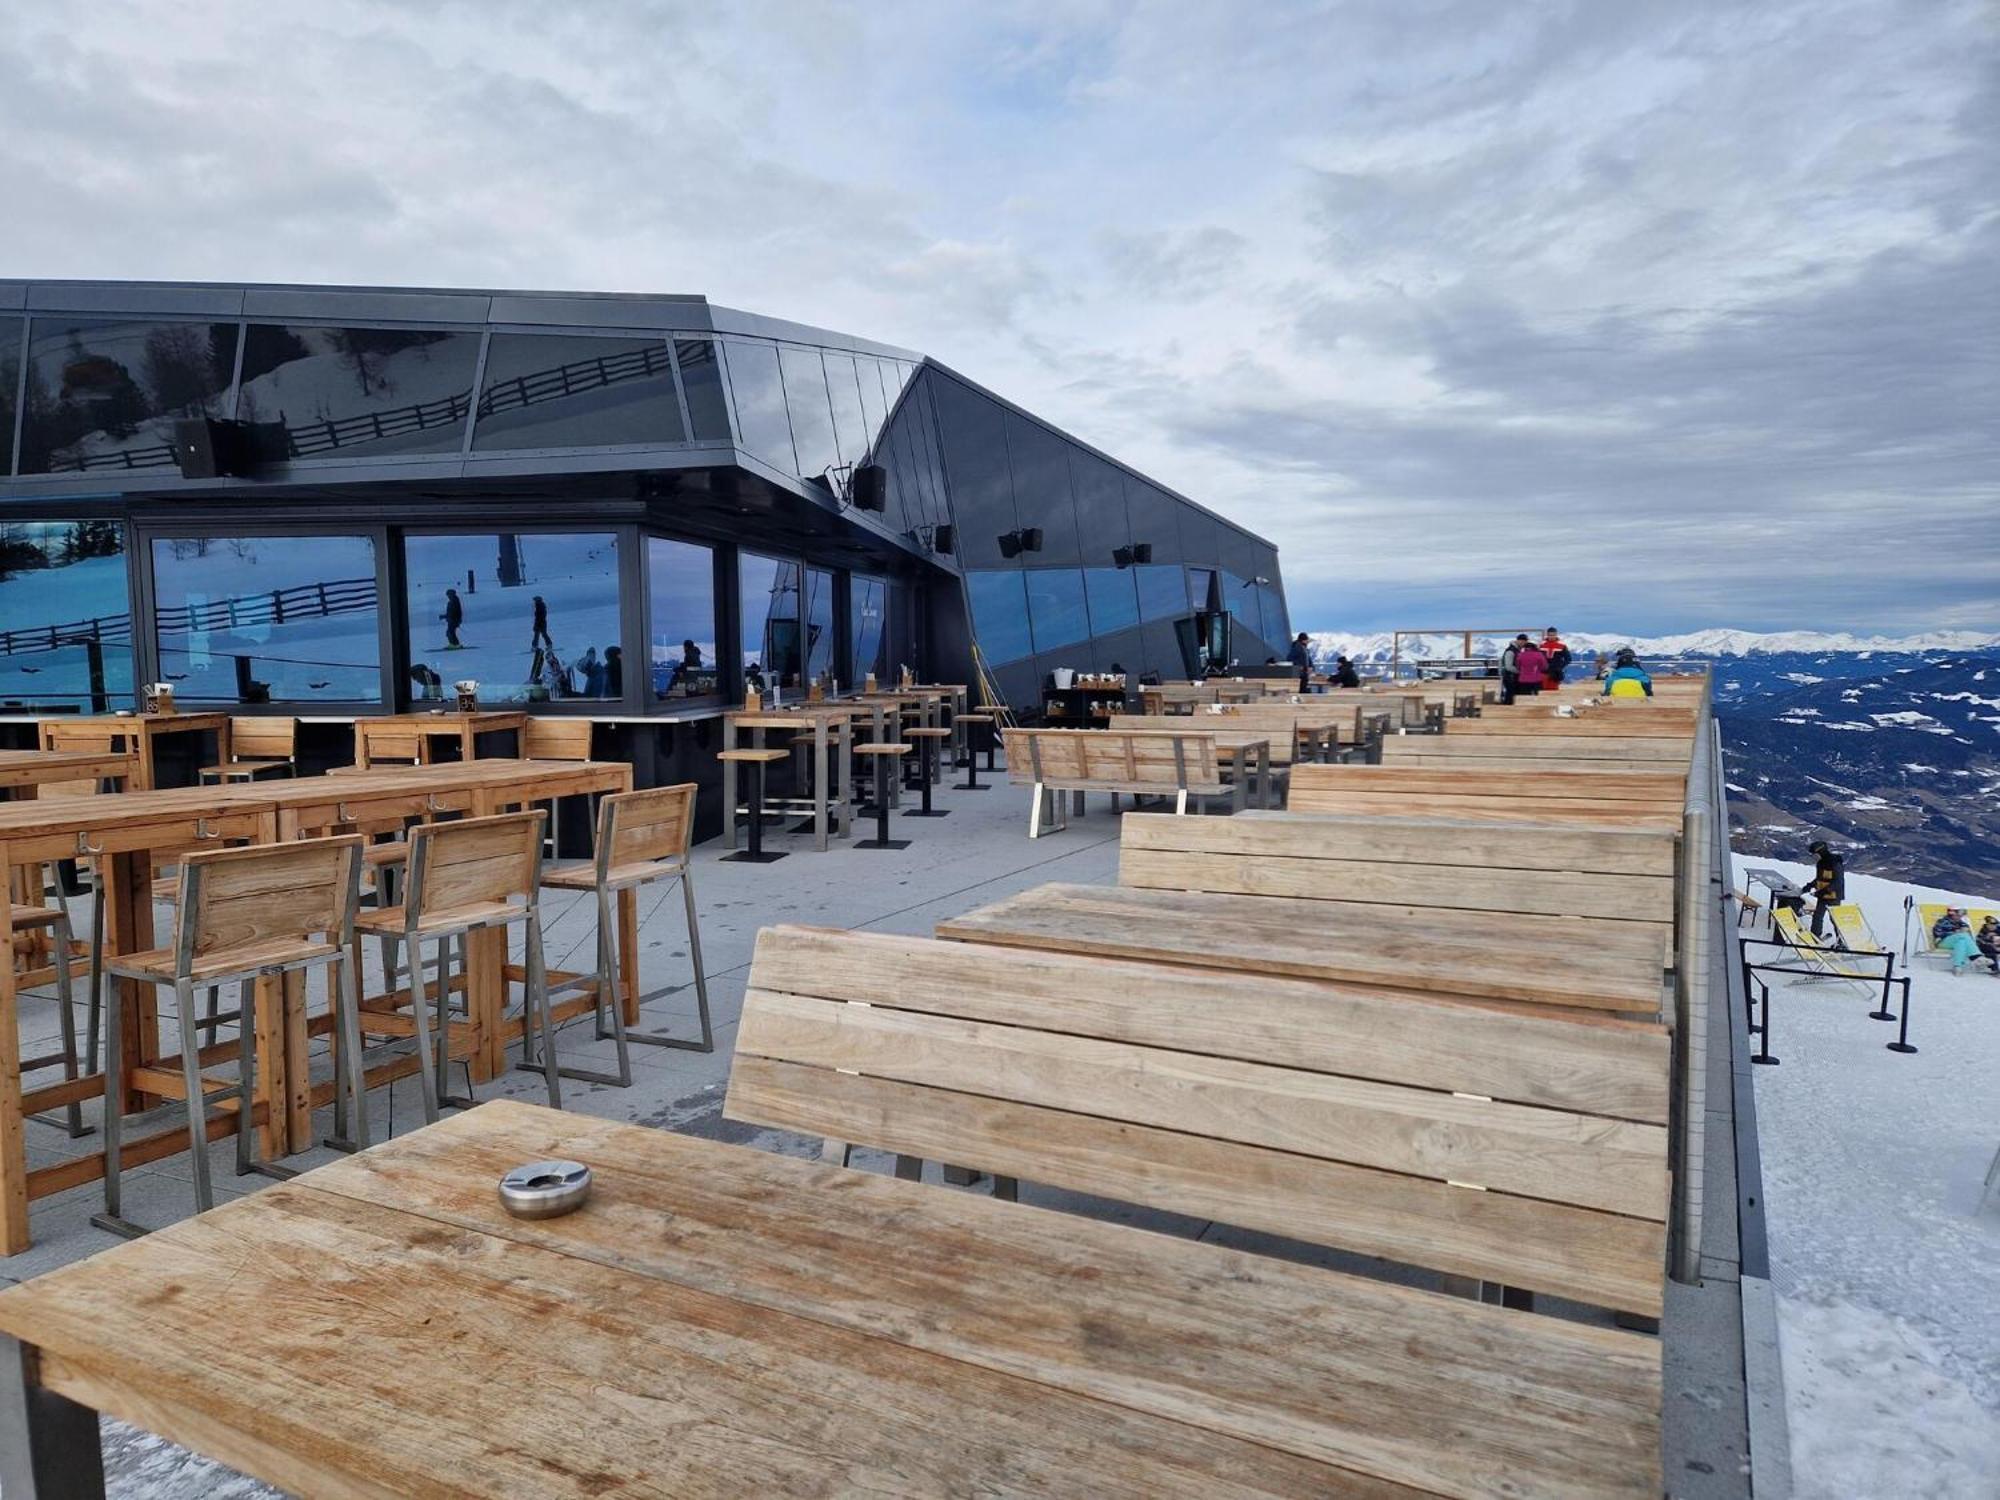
1327, 644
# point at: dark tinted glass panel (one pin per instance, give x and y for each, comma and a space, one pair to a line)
850, 425
1238, 598
812, 417
1100, 509
353, 392
105, 396
680, 585
546, 391
65, 619
12, 331
760, 404
532, 617
268, 619
1056, 608
1162, 590
868, 641
820, 637
975, 456
1155, 520
701, 382
773, 642
1272, 603
1114, 599
870, 386
1039, 461
999, 615
1201, 587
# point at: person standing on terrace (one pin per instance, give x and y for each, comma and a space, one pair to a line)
1301, 657
1531, 668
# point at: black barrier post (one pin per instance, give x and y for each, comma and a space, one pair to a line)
1888, 971
1902, 1042
1763, 1056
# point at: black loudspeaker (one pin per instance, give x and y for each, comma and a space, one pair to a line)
941, 540
1142, 552
869, 489
1121, 557
1031, 539
1010, 543
205, 449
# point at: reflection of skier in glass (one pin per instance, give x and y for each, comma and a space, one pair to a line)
453, 617
539, 636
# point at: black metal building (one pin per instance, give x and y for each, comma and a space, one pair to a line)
618, 505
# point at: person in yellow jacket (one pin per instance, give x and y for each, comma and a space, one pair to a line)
1628, 679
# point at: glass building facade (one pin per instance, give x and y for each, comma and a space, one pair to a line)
536, 491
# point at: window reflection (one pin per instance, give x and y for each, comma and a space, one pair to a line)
106, 395
768, 605
1162, 591
65, 618
999, 614
850, 425
350, 392
680, 583
268, 619
760, 404
11, 334
1055, 607
701, 383
1114, 599
532, 617
812, 416
546, 391
868, 640
870, 383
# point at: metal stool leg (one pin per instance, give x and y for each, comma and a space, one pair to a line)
535, 1008
419, 1008
350, 1082
65, 999
607, 995
197, 1102
113, 1218
707, 1042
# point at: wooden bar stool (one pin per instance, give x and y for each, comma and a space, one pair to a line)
545, 737
975, 724
927, 746
758, 759
258, 746
243, 915
464, 877
885, 778
642, 837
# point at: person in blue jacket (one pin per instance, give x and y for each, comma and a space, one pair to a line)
1627, 679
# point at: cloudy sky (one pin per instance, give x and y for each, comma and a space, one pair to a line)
1636, 316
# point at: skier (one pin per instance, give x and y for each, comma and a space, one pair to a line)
1531, 668
1301, 657
453, 617
1558, 655
1510, 667
1628, 679
1828, 886
539, 635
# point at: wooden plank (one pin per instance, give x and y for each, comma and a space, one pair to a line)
1605, 1259
1625, 748
1496, 1402
1359, 1029
1615, 1166
1623, 785
1546, 810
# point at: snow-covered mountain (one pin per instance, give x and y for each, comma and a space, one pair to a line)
1327, 644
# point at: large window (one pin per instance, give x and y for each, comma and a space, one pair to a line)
1162, 590
867, 619
359, 392
105, 395
850, 423
760, 404
681, 636
11, 333
999, 614
1055, 606
268, 619
65, 618
550, 391
768, 598
532, 617
812, 417
820, 635
1114, 599
701, 383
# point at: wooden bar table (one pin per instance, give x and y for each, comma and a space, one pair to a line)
720, 1321
450, 724
141, 730
21, 771
121, 834
833, 742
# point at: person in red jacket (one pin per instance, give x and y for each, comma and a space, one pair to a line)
1558, 655
1532, 666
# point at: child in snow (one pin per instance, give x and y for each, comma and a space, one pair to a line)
1988, 940
1952, 935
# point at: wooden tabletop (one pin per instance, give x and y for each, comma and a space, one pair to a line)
452, 721
723, 1321
38, 767
1537, 960
189, 719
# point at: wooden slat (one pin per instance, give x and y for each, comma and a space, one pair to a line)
1606, 1259
1535, 961
1557, 810
1558, 1155
1661, 787
1351, 1029
1629, 749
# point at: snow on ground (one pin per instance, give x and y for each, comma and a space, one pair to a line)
1886, 1268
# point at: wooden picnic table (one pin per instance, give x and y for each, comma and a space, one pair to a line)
1248, 752
21, 771
723, 1321
143, 729
450, 724
831, 725
1539, 961
121, 832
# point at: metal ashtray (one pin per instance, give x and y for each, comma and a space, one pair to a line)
545, 1189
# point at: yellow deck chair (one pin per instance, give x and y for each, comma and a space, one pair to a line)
1927, 918
1854, 929
1834, 963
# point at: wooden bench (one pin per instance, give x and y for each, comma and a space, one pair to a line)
1525, 751
1255, 1102
1641, 798
1138, 764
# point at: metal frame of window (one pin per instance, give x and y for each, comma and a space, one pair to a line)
728, 670
13, 450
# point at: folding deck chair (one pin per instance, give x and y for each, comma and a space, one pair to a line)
1927, 918
1834, 963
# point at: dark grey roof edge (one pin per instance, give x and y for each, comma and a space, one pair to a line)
1090, 448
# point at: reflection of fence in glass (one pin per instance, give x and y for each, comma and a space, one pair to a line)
309, 440
302, 601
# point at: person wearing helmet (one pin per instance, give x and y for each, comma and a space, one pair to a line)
1828, 887
1627, 679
